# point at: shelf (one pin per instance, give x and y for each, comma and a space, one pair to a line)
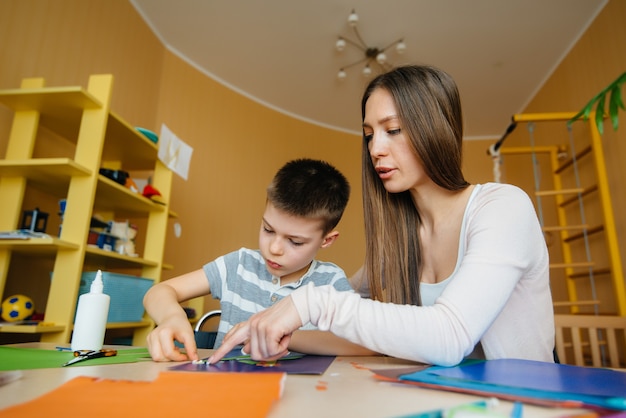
118, 325
61, 109
128, 146
112, 196
41, 329
111, 259
36, 245
100, 138
51, 174
32, 329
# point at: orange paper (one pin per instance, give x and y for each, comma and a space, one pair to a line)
172, 394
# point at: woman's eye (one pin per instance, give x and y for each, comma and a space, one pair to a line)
394, 131
368, 137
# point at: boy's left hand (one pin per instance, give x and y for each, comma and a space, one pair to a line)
161, 341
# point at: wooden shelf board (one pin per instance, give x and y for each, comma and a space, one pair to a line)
123, 325
51, 100
50, 174
139, 324
113, 259
128, 146
36, 245
31, 329
61, 108
111, 196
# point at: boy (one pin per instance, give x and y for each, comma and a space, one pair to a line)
305, 201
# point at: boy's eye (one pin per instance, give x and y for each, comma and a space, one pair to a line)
267, 230
296, 243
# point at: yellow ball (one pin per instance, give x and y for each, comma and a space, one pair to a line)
17, 308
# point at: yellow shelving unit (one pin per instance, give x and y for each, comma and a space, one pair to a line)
83, 117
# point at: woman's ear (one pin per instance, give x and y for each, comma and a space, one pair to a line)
329, 239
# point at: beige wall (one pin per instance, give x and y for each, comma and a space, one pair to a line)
596, 60
238, 144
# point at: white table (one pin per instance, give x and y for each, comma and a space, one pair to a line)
347, 389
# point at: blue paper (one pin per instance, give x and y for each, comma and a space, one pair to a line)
532, 379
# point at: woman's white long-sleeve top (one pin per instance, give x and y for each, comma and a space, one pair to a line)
499, 294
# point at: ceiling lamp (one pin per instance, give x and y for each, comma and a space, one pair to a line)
372, 55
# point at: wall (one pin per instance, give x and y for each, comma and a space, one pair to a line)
238, 146
66, 41
596, 60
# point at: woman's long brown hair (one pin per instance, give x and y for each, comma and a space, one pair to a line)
429, 109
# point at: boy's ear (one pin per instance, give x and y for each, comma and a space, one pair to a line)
329, 239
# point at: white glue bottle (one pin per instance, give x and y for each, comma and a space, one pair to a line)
91, 317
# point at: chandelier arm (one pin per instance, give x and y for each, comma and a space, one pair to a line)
358, 35
391, 44
351, 42
368, 59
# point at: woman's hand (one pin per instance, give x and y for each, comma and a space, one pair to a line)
161, 340
265, 336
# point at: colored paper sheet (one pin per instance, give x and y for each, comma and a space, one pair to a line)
174, 152
531, 379
234, 362
170, 395
19, 358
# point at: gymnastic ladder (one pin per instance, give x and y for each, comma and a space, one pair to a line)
581, 243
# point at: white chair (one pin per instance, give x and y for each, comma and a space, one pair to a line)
206, 338
591, 340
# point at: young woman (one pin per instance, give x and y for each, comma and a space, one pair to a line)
454, 269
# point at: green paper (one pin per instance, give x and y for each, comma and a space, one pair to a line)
18, 358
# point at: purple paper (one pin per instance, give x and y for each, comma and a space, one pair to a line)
294, 363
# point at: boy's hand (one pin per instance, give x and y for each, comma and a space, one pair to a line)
161, 341
266, 335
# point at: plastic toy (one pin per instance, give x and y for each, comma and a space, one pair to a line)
34, 220
17, 308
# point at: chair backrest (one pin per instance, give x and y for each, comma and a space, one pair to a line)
206, 338
591, 340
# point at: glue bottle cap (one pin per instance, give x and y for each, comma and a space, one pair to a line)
97, 286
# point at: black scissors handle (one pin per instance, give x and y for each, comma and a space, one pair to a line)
90, 354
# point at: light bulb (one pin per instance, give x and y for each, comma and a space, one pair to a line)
341, 75
353, 18
341, 44
381, 58
400, 47
367, 71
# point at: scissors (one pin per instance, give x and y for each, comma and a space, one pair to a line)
90, 354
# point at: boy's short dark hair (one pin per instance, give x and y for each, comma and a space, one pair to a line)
310, 189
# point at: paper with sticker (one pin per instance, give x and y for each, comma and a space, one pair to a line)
174, 152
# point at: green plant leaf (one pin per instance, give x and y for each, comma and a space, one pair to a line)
616, 95
600, 114
615, 103
614, 106
587, 110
